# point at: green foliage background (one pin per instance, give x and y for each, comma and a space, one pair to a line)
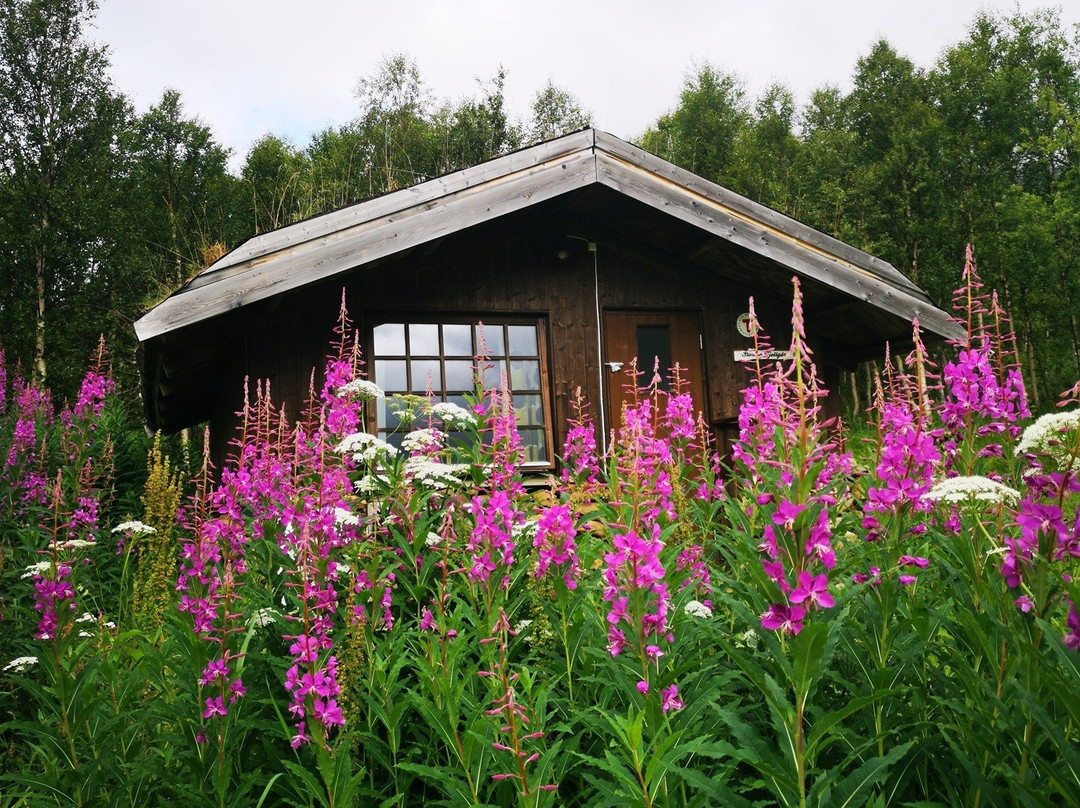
104, 211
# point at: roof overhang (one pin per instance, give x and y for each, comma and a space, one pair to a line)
318, 249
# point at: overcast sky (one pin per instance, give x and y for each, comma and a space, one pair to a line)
251, 67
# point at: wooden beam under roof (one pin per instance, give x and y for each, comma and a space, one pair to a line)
780, 246
362, 243
328, 226
342, 241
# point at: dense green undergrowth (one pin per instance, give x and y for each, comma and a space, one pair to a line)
333, 620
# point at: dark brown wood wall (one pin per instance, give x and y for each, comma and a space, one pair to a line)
509, 267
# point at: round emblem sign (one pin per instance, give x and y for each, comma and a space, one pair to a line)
745, 324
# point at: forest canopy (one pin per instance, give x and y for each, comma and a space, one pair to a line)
105, 210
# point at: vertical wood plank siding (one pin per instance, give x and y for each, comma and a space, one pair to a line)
510, 268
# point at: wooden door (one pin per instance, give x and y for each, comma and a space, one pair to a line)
670, 337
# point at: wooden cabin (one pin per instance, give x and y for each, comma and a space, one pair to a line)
576, 254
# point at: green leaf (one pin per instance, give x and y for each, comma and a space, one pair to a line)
312, 786
807, 652
854, 789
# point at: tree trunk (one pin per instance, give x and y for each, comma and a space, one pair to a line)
39, 326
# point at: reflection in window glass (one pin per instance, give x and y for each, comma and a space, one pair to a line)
457, 340
493, 373
423, 339
426, 373
528, 409
534, 445
390, 375
459, 374
431, 357
525, 374
522, 340
492, 336
390, 339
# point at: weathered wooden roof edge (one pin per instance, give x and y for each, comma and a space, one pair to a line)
328, 223
755, 210
321, 247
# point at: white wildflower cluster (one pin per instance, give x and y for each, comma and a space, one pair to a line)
343, 516
1045, 435
76, 544
363, 388
525, 530
696, 608
453, 415
369, 483
134, 526
40, 568
436, 476
20, 664
748, 640
975, 487
365, 448
86, 617
423, 441
264, 617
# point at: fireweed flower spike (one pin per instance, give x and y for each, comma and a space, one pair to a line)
1041, 557
580, 458
518, 739
555, 545
795, 474
634, 572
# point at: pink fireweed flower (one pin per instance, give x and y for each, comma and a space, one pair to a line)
634, 567
580, 455
555, 545
513, 716
786, 513
53, 596
813, 589
874, 577
679, 416
819, 543
491, 542
795, 474
215, 669
301, 736
669, 699
1072, 625
785, 619
908, 459
215, 705
427, 620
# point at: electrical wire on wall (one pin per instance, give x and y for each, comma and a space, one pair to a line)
592, 247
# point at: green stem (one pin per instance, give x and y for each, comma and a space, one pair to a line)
800, 752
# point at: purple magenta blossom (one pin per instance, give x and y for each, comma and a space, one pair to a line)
669, 699
782, 618
555, 545
634, 568
491, 542
813, 589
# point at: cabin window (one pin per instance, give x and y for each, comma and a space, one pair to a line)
437, 358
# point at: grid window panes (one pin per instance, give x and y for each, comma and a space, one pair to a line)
434, 358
